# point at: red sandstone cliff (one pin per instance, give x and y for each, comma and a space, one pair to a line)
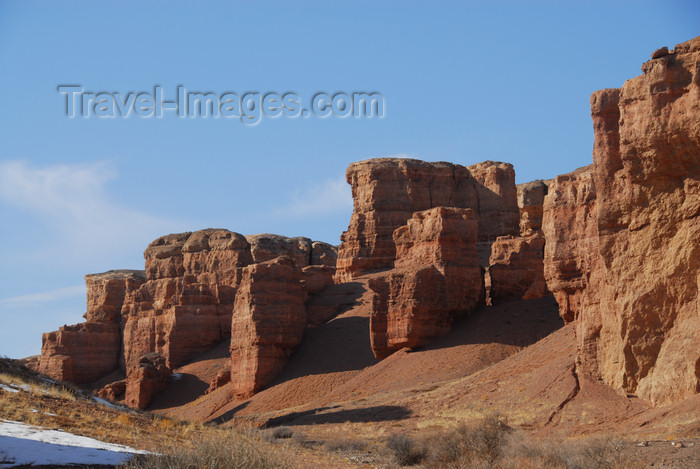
570, 226
531, 205
182, 306
516, 268
387, 191
436, 279
647, 175
622, 255
269, 321
85, 352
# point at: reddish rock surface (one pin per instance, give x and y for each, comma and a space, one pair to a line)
647, 174
531, 205
85, 352
323, 254
387, 191
181, 306
570, 226
185, 306
516, 268
497, 199
436, 279
268, 323
266, 246
314, 280
221, 379
146, 378
113, 391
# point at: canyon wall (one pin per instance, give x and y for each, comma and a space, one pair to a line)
531, 205
387, 191
622, 255
269, 323
181, 305
436, 279
647, 176
570, 226
516, 268
85, 352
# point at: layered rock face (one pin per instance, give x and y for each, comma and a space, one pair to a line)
497, 205
269, 322
146, 378
85, 352
186, 304
436, 278
570, 226
266, 246
181, 305
387, 191
647, 175
531, 205
516, 268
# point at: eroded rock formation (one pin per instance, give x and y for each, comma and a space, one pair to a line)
570, 226
647, 175
516, 269
619, 248
622, 255
531, 205
497, 206
181, 305
387, 191
436, 279
146, 378
185, 306
85, 352
269, 321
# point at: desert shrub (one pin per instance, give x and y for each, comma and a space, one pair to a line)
596, 453
282, 432
592, 453
449, 450
465, 446
405, 450
301, 440
488, 438
213, 451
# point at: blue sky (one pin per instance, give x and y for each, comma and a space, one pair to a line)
462, 82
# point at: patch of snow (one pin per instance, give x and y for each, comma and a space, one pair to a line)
106, 403
23, 444
15, 387
176, 376
4, 387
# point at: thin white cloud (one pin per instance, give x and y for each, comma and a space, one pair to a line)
44, 297
328, 196
71, 200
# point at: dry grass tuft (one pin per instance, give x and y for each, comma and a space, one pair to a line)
493, 444
214, 449
405, 450
346, 445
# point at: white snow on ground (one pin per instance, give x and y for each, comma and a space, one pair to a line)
15, 387
22, 444
176, 376
106, 403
